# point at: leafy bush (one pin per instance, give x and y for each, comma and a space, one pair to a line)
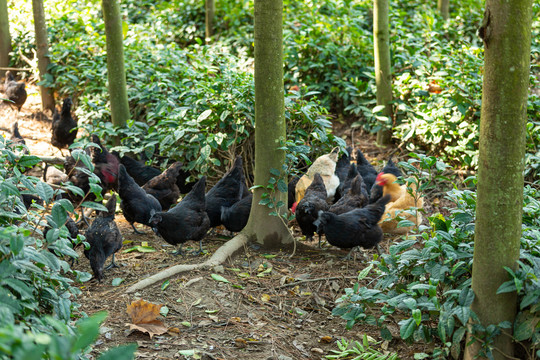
424, 284
37, 292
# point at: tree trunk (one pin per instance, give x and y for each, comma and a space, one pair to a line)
210, 13
506, 32
383, 76
42, 45
270, 127
115, 63
444, 8
5, 38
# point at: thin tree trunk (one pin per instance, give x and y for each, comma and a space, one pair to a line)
444, 8
210, 11
383, 76
5, 38
42, 45
270, 127
506, 32
115, 63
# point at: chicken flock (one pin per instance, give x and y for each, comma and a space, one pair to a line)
342, 197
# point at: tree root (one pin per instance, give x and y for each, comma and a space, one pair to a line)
220, 256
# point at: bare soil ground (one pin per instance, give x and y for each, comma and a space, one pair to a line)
275, 306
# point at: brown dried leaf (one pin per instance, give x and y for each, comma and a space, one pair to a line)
154, 328
326, 339
142, 312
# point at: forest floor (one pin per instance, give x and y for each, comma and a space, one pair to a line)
275, 306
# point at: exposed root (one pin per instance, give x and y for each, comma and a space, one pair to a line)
220, 256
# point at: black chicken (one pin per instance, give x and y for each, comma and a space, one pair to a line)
64, 127
186, 221
17, 138
140, 172
104, 238
291, 191
356, 197
364, 167
308, 208
135, 203
163, 187
15, 91
354, 228
342, 169
377, 190
105, 165
235, 217
226, 192
346, 183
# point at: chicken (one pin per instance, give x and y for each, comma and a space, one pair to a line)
308, 208
355, 198
140, 172
105, 165
364, 167
235, 217
64, 127
186, 221
226, 192
346, 183
17, 138
399, 207
291, 187
181, 181
342, 170
136, 204
389, 168
104, 238
354, 228
163, 187
15, 91
325, 166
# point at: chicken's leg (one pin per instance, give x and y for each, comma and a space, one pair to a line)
112, 264
136, 231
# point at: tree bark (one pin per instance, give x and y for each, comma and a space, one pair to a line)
42, 45
5, 38
506, 32
270, 126
383, 75
115, 63
444, 8
209, 19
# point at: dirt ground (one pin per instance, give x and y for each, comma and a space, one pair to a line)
275, 306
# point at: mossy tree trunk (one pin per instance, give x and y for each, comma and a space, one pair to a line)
5, 38
270, 126
210, 11
383, 76
42, 46
444, 8
115, 63
506, 32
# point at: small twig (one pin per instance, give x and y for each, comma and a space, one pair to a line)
15, 69
314, 280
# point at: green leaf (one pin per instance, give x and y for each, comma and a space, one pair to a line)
44, 191
165, 285
204, 115
417, 316
282, 186
140, 248
362, 274
219, 278
117, 281
123, 352
88, 329
164, 311
94, 205
58, 214
407, 328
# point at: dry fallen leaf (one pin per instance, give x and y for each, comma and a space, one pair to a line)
326, 339
240, 343
144, 318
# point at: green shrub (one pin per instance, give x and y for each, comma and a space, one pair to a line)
424, 284
37, 292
